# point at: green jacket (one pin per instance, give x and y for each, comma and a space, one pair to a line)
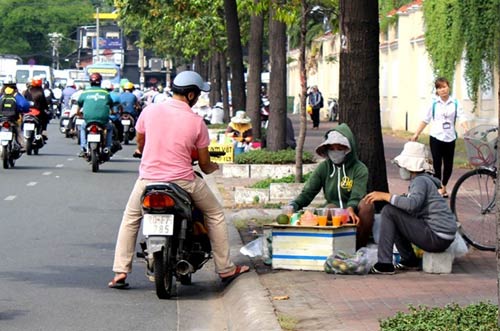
96, 103
349, 178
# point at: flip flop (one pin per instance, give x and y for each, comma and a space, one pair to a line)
238, 271
118, 284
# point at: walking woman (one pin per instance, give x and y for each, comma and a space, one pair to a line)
443, 113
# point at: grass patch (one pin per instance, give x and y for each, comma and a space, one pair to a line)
266, 183
287, 323
460, 159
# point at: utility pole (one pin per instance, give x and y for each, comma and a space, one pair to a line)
97, 32
55, 41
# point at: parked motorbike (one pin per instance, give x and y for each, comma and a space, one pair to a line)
128, 123
264, 112
32, 131
176, 238
333, 109
10, 148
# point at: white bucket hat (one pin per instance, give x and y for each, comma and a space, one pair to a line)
414, 157
333, 137
241, 117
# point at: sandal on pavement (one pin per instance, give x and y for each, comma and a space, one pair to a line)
119, 284
240, 269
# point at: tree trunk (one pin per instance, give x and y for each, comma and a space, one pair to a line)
215, 80
225, 92
254, 72
498, 202
303, 87
359, 85
235, 55
277, 85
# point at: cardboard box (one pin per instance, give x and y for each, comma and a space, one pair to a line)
308, 247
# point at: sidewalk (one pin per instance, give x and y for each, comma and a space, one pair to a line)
320, 301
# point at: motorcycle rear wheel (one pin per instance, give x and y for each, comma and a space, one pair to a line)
29, 146
125, 138
95, 160
5, 157
163, 271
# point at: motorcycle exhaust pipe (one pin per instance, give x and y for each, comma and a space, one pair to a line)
106, 150
184, 268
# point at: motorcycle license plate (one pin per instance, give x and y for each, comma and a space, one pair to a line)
65, 122
5, 135
158, 225
125, 122
79, 121
94, 138
29, 126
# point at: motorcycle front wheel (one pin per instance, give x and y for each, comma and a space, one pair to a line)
163, 271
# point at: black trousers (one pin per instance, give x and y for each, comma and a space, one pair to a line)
315, 117
442, 158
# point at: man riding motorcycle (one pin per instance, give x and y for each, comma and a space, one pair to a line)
34, 92
96, 103
167, 134
9, 90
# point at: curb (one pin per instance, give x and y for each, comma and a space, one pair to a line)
245, 301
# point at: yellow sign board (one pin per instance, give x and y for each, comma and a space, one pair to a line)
106, 16
227, 148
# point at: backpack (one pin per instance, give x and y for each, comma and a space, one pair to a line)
8, 106
320, 104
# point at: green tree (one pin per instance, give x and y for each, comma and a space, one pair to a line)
25, 26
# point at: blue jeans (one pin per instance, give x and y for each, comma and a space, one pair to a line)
83, 135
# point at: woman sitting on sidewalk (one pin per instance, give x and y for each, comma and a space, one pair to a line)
421, 217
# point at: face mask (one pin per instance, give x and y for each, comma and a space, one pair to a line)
404, 174
337, 157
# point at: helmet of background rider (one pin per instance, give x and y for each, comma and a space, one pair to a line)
107, 85
36, 82
95, 79
128, 86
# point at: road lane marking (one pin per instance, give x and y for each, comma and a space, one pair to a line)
59, 165
10, 198
31, 184
47, 173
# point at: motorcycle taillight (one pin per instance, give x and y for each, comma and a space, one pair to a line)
157, 200
6, 124
94, 129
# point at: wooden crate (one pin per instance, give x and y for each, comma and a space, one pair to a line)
308, 247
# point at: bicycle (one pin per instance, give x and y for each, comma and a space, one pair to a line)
473, 199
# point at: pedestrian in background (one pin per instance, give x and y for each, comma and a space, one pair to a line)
316, 102
443, 113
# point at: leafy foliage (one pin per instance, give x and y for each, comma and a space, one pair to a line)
475, 317
264, 156
444, 40
385, 7
25, 26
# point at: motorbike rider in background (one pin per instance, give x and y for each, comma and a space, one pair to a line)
9, 89
49, 96
167, 135
128, 100
67, 92
34, 94
96, 103
116, 109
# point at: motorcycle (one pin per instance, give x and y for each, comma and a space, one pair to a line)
333, 109
128, 123
264, 112
10, 148
56, 108
176, 238
64, 122
97, 152
32, 131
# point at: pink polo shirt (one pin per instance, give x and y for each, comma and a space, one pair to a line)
172, 131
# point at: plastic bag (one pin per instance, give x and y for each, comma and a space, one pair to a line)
458, 247
347, 264
253, 248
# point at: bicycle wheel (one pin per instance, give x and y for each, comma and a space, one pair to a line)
473, 202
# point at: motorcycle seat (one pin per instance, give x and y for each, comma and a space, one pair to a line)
172, 187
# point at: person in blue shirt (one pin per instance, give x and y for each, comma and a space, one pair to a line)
128, 100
